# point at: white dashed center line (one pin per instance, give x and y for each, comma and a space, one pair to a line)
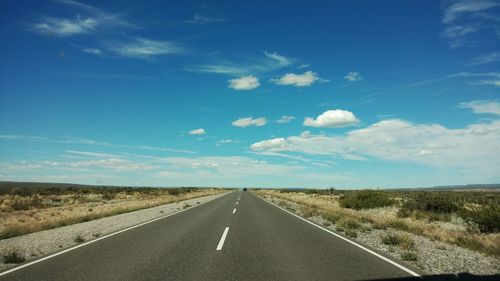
222, 239
234, 211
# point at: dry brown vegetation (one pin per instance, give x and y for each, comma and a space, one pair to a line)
30, 209
447, 227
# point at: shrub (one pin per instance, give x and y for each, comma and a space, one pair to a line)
427, 203
349, 223
366, 199
409, 256
309, 211
403, 241
487, 218
351, 233
332, 217
398, 224
186, 206
13, 257
79, 239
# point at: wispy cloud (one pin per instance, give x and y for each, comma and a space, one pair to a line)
482, 106
244, 83
299, 80
201, 19
489, 78
249, 121
484, 59
145, 48
465, 17
285, 119
66, 27
93, 51
87, 20
270, 62
73, 140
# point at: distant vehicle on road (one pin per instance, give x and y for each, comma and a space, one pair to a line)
244, 189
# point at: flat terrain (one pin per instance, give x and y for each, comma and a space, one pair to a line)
235, 237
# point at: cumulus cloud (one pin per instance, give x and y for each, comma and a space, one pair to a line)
332, 119
482, 106
249, 121
285, 119
353, 76
199, 131
398, 140
244, 83
299, 80
268, 144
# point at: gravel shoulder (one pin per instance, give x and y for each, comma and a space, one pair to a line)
35, 245
433, 257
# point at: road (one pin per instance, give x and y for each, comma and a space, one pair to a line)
235, 237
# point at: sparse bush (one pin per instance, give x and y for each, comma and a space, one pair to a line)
366, 199
309, 211
79, 239
487, 218
398, 224
409, 256
332, 217
351, 233
403, 241
186, 206
429, 206
349, 223
13, 257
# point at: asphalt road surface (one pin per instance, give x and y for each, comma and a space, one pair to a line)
235, 237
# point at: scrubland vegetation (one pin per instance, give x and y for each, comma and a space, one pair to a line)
469, 219
27, 208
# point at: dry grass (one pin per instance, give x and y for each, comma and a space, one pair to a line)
452, 232
31, 213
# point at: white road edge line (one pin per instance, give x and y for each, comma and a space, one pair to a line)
347, 240
222, 239
97, 239
234, 211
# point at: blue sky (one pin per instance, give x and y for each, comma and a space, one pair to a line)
346, 94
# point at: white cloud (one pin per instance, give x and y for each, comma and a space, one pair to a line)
491, 78
304, 65
221, 142
145, 48
482, 106
353, 76
484, 59
94, 51
282, 60
397, 140
249, 121
270, 62
269, 144
299, 80
66, 27
285, 119
459, 8
201, 19
199, 131
244, 83
465, 17
332, 119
